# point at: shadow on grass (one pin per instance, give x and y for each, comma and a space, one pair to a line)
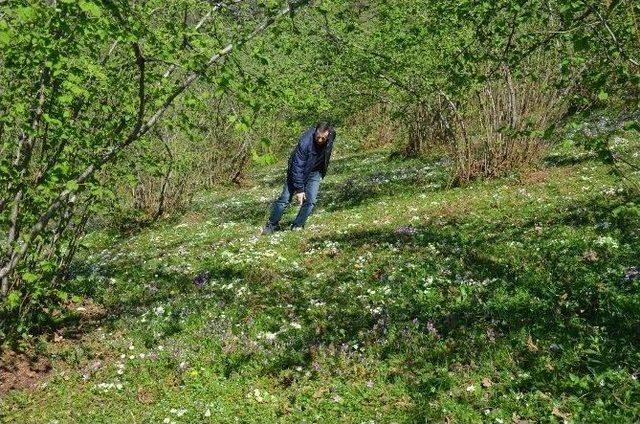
490, 298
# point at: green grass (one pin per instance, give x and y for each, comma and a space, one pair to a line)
403, 301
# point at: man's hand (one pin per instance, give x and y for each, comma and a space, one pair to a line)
300, 197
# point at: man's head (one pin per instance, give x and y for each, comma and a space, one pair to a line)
322, 133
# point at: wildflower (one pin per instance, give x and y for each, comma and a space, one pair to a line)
630, 274
201, 279
607, 241
178, 412
258, 396
406, 231
432, 329
491, 334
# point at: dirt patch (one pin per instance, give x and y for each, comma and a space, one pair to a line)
539, 176
452, 209
89, 311
22, 371
535, 177
26, 370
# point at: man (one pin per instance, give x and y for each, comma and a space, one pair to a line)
307, 167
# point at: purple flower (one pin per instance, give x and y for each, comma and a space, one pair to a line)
432, 329
630, 274
407, 230
201, 279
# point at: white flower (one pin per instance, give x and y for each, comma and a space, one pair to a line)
607, 241
258, 395
178, 412
296, 325
207, 413
471, 388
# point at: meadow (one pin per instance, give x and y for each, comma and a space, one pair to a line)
404, 300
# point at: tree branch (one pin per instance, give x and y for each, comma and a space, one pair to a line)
137, 132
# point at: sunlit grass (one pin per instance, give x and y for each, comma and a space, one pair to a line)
402, 301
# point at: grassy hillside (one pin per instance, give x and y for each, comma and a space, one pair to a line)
507, 301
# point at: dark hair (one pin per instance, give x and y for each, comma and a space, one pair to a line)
323, 126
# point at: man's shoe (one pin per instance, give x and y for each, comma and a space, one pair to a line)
268, 229
296, 228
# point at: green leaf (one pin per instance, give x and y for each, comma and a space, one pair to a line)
5, 37
26, 13
13, 299
29, 277
632, 125
90, 8
72, 185
602, 95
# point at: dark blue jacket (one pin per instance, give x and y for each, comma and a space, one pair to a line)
303, 158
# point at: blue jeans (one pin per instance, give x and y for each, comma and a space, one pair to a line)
311, 191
